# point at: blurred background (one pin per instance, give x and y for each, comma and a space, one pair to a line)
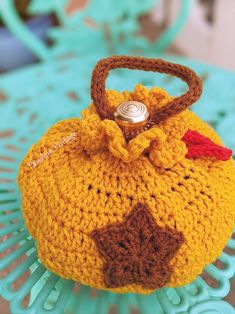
203, 31
48, 49
207, 35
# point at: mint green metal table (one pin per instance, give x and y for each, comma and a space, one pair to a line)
33, 99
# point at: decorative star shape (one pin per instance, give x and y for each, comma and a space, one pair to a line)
137, 251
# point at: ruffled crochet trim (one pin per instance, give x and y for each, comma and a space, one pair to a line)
96, 134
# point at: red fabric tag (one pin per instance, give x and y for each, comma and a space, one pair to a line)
201, 146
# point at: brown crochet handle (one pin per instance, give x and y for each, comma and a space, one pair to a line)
175, 106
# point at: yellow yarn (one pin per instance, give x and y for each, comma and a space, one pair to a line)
82, 175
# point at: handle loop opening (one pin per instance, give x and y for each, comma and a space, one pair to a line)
177, 105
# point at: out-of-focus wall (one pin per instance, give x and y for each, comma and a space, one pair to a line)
209, 34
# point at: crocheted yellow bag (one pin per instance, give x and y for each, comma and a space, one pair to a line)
135, 195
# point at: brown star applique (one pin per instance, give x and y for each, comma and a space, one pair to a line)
137, 251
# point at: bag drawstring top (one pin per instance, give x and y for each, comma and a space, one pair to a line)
133, 117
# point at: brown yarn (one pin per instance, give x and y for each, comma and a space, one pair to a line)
137, 251
177, 105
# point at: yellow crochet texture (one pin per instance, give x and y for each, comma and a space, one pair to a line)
95, 178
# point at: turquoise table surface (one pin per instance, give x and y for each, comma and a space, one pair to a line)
33, 99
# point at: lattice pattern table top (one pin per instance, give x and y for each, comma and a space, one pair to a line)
33, 99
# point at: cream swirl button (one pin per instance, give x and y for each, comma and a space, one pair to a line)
131, 112
132, 117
